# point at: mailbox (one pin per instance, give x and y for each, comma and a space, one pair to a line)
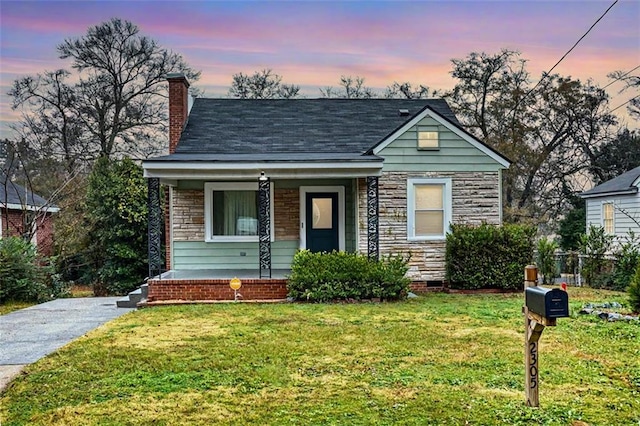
547, 302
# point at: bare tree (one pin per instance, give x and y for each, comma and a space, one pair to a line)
349, 88
117, 107
264, 84
23, 212
549, 133
49, 118
631, 84
408, 91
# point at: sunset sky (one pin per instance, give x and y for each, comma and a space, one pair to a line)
313, 43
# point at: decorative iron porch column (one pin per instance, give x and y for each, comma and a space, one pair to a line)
372, 218
264, 224
154, 227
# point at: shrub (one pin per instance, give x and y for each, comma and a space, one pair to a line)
488, 256
22, 278
546, 260
605, 280
627, 260
323, 277
634, 291
594, 245
388, 277
116, 207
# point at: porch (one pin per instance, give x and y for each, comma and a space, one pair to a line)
200, 285
221, 274
210, 239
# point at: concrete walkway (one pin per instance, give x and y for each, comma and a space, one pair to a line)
29, 334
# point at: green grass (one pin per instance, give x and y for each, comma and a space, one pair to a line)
11, 306
440, 359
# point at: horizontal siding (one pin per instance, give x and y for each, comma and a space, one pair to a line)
625, 222
626, 209
594, 212
201, 255
455, 154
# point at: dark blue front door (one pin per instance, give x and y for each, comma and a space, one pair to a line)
322, 221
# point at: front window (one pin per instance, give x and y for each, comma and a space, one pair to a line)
607, 218
428, 209
231, 211
235, 213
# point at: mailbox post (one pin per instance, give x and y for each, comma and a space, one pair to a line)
541, 308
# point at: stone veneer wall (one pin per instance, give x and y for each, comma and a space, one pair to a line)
188, 214
475, 197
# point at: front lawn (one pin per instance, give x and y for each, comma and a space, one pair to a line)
10, 306
438, 359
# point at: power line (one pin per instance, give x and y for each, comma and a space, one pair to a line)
620, 106
621, 77
545, 75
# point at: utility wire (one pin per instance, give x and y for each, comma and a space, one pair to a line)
620, 106
546, 74
621, 77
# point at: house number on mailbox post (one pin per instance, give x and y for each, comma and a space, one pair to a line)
541, 308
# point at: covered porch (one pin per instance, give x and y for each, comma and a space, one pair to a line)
201, 260
221, 274
202, 285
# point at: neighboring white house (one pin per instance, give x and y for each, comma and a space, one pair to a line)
615, 204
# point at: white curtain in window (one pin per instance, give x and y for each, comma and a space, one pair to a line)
240, 213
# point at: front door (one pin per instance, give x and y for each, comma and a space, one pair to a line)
322, 221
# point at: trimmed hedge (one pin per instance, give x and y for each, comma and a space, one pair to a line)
323, 277
488, 256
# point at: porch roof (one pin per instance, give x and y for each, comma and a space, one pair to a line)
274, 165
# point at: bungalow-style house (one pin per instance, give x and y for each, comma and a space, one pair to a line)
21, 208
615, 204
250, 182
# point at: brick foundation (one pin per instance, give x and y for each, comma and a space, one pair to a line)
428, 286
215, 289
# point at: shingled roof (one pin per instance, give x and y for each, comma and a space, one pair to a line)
290, 126
623, 184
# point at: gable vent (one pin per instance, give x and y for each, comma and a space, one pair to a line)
403, 112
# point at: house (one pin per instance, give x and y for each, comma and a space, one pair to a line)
615, 204
21, 209
250, 182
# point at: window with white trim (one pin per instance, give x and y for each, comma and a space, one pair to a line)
608, 214
231, 211
428, 137
428, 208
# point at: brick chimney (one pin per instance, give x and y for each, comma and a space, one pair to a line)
178, 107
